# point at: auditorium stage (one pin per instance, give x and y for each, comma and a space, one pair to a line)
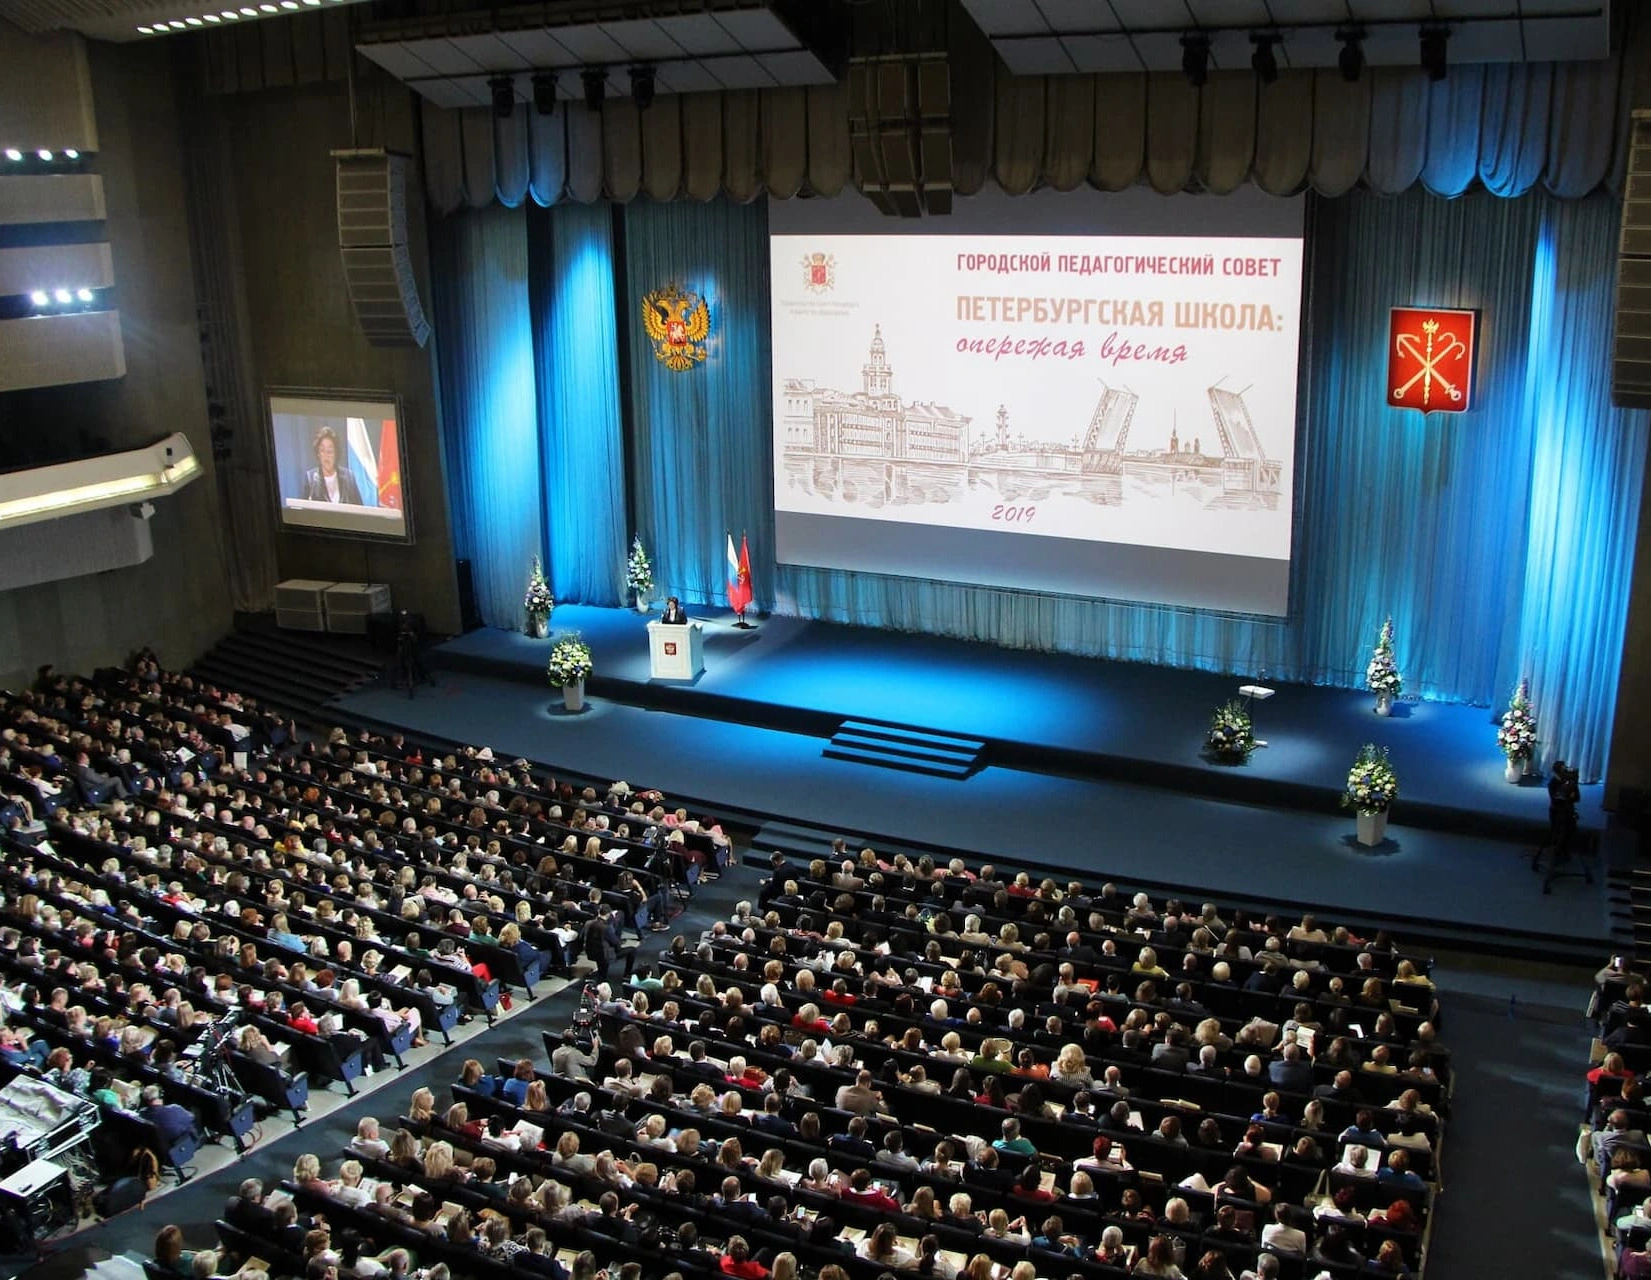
1059, 788
1052, 713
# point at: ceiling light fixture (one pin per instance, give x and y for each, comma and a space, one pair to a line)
1195, 58
544, 92
595, 81
503, 89
643, 84
1264, 58
1351, 57
1432, 39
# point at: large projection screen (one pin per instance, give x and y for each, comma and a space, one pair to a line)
1083, 394
339, 465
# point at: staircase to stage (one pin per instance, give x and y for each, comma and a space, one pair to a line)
895, 746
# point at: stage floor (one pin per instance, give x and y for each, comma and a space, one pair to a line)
1089, 827
1054, 713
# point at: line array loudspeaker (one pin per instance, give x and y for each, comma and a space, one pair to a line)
372, 240
900, 132
1631, 352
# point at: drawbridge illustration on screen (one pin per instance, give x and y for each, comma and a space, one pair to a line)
872, 449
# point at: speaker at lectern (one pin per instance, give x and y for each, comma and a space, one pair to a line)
675, 653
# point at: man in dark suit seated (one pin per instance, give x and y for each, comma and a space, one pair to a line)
675, 614
325, 482
247, 1209
1291, 1071
854, 1143
171, 1121
95, 787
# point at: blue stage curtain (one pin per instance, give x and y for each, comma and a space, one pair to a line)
703, 458
490, 428
570, 251
1587, 471
1499, 540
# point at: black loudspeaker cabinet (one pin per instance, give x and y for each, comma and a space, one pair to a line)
470, 617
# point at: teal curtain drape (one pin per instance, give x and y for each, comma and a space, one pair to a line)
570, 251
703, 462
490, 424
1499, 540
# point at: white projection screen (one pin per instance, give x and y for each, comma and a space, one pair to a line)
1089, 394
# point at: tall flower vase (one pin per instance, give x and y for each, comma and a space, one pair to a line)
538, 625
1372, 828
641, 603
1516, 769
573, 696
1384, 704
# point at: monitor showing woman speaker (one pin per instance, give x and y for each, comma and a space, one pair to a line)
339, 466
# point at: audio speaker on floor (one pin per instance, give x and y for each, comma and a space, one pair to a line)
372, 239
470, 617
1631, 353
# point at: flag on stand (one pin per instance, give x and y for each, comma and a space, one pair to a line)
739, 576
389, 466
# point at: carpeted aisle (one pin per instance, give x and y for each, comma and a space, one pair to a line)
1515, 1203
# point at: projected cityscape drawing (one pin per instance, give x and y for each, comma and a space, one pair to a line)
869, 446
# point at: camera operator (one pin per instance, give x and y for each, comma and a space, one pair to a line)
1564, 795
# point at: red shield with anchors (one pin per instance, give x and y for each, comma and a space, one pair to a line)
1430, 358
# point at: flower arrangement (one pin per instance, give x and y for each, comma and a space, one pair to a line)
1231, 735
1382, 675
1372, 786
1517, 736
570, 661
538, 601
639, 572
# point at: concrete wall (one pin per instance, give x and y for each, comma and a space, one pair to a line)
176, 601
302, 331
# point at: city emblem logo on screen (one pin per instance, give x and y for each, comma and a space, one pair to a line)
819, 272
678, 324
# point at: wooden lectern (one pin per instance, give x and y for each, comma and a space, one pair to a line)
676, 652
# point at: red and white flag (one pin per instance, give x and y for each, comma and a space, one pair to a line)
739, 576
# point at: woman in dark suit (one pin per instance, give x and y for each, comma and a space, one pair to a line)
675, 614
324, 482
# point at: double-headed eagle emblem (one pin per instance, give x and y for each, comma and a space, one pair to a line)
678, 324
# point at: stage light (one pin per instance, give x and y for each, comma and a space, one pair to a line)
544, 92
268, 8
642, 87
64, 297
595, 80
1264, 60
289, 4
71, 154
1432, 41
211, 17
44, 155
503, 89
175, 25
1195, 58
249, 13
145, 31
85, 295
40, 298
192, 22
230, 15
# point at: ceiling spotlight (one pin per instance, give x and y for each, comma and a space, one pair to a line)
1433, 40
1264, 59
230, 15
544, 92
642, 87
193, 22
249, 12
44, 155
503, 89
63, 295
267, 8
13, 154
40, 297
71, 154
595, 80
1351, 57
211, 17
1195, 58
145, 31
175, 25
85, 295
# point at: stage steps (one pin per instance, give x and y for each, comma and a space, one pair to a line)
912, 750
803, 843
296, 671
